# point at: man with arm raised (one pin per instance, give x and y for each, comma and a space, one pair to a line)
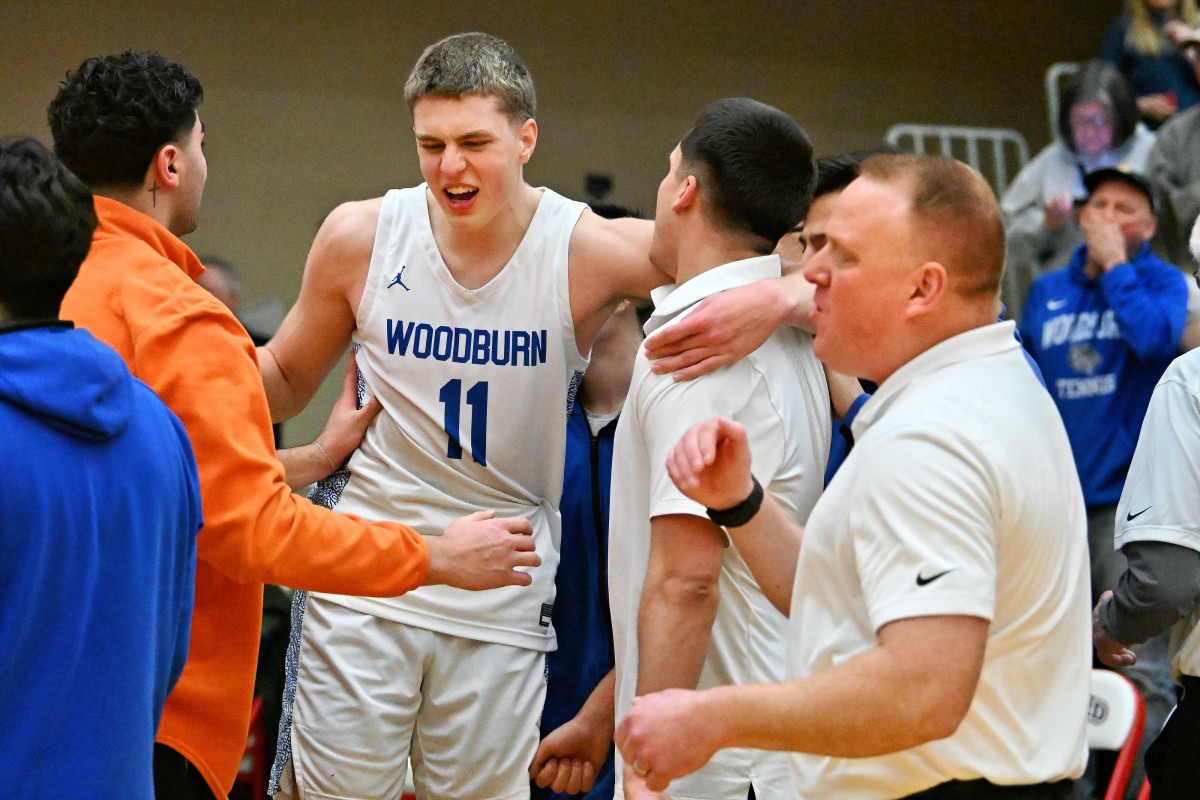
938, 598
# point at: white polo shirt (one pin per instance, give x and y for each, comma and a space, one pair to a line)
779, 393
959, 498
1160, 500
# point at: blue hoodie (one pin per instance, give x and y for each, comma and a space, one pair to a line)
1102, 344
99, 511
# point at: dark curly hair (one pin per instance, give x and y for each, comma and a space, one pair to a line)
46, 222
112, 115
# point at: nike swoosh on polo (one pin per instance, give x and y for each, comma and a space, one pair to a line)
922, 580
1130, 516
1055, 305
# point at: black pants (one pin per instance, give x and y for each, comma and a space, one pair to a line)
1171, 762
175, 778
982, 790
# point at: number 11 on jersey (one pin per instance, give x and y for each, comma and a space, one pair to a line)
477, 398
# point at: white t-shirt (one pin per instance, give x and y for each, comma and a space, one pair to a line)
960, 497
779, 393
1161, 499
474, 385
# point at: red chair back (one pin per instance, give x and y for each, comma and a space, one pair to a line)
1116, 720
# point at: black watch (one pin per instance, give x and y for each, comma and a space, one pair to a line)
743, 512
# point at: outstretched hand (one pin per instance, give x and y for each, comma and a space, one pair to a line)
722, 329
711, 463
482, 551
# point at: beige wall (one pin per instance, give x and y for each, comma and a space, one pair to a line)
303, 104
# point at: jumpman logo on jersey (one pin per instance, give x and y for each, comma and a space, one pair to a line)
399, 279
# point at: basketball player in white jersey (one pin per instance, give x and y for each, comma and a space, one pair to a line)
471, 328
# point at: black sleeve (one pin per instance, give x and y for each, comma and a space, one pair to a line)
1160, 586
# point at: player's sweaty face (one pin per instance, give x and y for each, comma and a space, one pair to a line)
470, 152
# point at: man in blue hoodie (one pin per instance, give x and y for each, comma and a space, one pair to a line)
99, 511
1103, 330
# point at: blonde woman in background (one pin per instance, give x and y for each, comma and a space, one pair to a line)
1153, 43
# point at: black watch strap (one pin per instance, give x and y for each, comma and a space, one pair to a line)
743, 512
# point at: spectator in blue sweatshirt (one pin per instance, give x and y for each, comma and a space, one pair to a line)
1103, 329
99, 511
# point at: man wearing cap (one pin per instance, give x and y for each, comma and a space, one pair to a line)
1158, 528
1103, 329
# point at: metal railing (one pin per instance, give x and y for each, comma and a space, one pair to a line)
996, 153
1056, 75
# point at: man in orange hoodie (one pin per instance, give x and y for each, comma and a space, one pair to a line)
127, 125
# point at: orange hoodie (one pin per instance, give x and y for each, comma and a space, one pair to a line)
136, 291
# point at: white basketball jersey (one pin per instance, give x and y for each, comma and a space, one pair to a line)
475, 386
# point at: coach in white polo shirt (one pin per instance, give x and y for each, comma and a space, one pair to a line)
938, 641
1158, 531
686, 610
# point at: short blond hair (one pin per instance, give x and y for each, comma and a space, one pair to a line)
956, 220
473, 63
